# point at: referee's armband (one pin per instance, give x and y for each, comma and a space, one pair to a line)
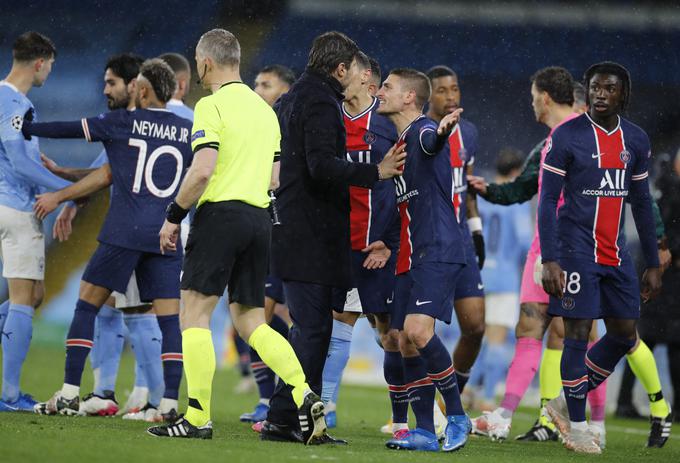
277, 157
213, 144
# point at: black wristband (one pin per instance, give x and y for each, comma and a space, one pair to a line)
175, 213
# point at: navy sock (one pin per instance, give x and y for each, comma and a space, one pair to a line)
393, 368
171, 354
264, 376
440, 371
603, 356
575, 378
243, 350
421, 391
79, 341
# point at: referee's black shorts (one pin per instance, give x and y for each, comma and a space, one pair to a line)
229, 243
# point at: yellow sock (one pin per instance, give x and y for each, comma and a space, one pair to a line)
550, 378
277, 353
642, 363
199, 369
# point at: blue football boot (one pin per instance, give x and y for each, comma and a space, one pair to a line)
331, 419
259, 414
456, 433
417, 439
24, 403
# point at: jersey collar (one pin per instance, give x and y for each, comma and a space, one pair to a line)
362, 113
4, 82
618, 124
231, 82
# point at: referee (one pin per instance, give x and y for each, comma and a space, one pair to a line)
235, 138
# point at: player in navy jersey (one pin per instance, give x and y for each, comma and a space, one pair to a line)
374, 235
469, 297
148, 151
598, 160
430, 260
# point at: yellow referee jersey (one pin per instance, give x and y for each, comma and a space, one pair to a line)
244, 130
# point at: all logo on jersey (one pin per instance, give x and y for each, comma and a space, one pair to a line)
612, 184
625, 156
369, 137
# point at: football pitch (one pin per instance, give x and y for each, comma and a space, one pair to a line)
33, 438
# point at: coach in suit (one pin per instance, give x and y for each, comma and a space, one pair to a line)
311, 247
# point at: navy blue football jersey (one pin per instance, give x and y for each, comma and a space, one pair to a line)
430, 231
149, 151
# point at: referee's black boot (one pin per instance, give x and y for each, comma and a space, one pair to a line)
328, 439
312, 418
280, 433
182, 429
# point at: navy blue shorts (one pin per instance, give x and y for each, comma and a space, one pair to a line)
157, 275
375, 286
470, 281
273, 289
427, 289
597, 291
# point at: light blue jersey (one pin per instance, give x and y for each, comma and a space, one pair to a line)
22, 175
508, 232
180, 109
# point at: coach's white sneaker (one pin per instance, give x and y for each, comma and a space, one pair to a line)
138, 398
96, 405
493, 425
148, 413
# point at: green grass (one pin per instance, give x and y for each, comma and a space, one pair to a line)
33, 438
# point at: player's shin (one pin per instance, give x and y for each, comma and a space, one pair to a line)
17, 334
276, 352
421, 392
336, 361
199, 368
603, 357
171, 354
574, 381
78, 345
441, 372
393, 370
110, 345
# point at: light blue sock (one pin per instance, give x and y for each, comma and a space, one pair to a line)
16, 335
4, 308
338, 355
109, 346
495, 368
146, 340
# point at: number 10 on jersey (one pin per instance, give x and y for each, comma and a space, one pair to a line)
145, 168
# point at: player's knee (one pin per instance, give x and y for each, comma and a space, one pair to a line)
390, 340
417, 333
474, 330
38, 295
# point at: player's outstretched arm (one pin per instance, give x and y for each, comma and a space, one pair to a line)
521, 189
97, 180
67, 129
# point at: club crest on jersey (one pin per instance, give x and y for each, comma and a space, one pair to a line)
568, 303
625, 156
369, 137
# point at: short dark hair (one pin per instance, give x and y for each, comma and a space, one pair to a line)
556, 82
362, 60
610, 67
285, 74
177, 62
126, 66
161, 77
508, 160
376, 73
418, 82
440, 71
579, 93
32, 45
329, 50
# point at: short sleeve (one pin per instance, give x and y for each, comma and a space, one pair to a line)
642, 154
11, 119
557, 157
205, 132
100, 128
